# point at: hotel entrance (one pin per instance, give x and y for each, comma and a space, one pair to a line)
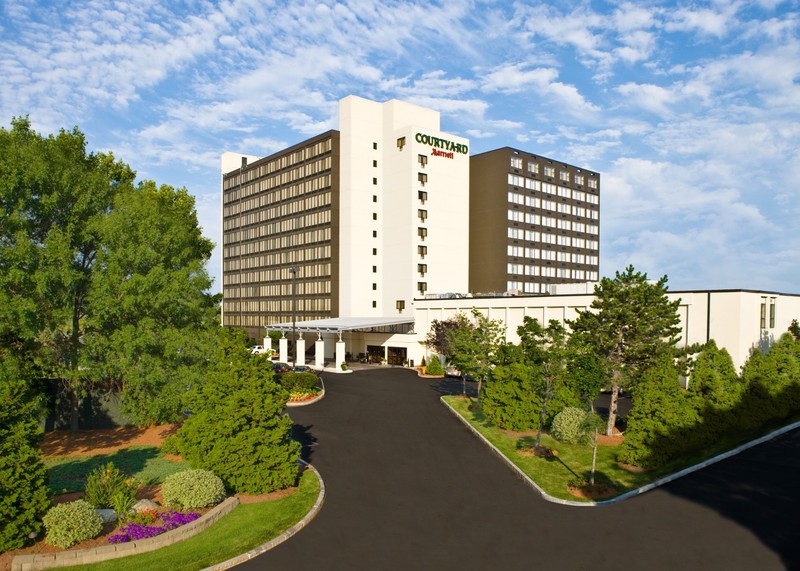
397, 356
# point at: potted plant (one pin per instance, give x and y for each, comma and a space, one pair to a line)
344, 365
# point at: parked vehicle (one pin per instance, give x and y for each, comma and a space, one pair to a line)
452, 371
281, 367
257, 349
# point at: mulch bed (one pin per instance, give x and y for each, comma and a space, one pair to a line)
596, 492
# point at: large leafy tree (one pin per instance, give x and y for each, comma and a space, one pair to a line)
438, 338
630, 325
237, 427
475, 345
151, 325
83, 260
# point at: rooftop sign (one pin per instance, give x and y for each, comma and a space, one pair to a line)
449, 147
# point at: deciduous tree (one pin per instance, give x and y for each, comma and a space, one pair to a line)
475, 345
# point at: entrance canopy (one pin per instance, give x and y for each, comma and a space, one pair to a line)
340, 324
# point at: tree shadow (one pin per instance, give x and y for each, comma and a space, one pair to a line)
307, 440
71, 474
757, 488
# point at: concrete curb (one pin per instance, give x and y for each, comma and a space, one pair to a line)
68, 558
255, 552
646, 488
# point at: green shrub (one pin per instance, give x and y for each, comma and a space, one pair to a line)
434, 367
569, 426
171, 445
107, 486
24, 491
239, 429
192, 489
301, 382
68, 524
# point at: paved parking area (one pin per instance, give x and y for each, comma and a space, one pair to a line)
410, 488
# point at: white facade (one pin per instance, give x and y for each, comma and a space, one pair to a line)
382, 210
741, 321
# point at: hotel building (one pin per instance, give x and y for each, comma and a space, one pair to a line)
356, 222
533, 222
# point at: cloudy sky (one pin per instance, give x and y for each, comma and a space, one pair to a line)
690, 110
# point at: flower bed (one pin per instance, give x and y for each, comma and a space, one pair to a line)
134, 530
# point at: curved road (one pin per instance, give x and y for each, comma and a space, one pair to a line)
410, 488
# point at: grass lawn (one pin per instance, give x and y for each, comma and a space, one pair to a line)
144, 463
246, 527
553, 474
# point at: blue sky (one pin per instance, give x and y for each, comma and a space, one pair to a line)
689, 110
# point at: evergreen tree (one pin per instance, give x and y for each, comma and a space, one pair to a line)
509, 401
659, 418
630, 325
237, 428
24, 493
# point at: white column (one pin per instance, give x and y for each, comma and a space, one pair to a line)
283, 350
300, 358
319, 353
339, 354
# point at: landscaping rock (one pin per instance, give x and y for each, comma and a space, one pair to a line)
143, 505
108, 515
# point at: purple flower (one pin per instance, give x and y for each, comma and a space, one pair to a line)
136, 531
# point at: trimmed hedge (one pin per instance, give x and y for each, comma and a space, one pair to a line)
193, 489
71, 523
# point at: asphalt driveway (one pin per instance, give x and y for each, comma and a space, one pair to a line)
410, 488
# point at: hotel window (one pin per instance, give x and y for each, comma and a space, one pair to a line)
423, 160
563, 192
374, 269
531, 270
375, 146
516, 180
422, 269
548, 205
374, 198
763, 313
516, 162
516, 198
374, 163
422, 251
531, 184
423, 214
578, 211
532, 218
548, 255
422, 287
548, 272
513, 285
422, 195
515, 233
564, 175
772, 312
578, 179
563, 256
563, 240
515, 251
531, 252
422, 178
592, 183
401, 142
532, 235
515, 269
374, 215
374, 180
532, 201
374, 251
422, 233
548, 221
374, 304
563, 207
563, 273
565, 224
374, 287
374, 233
549, 171
578, 195
533, 168
515, 215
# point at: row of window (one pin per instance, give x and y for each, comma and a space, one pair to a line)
533, 168
553, 189
561, 273
552, 222
233, 305
547, 204
546, 254
549, 255
547, 238
772, 312
256, 198
236, 249
281, 163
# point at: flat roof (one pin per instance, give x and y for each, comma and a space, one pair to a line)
339, 324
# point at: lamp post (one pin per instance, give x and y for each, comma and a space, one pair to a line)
293, 271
